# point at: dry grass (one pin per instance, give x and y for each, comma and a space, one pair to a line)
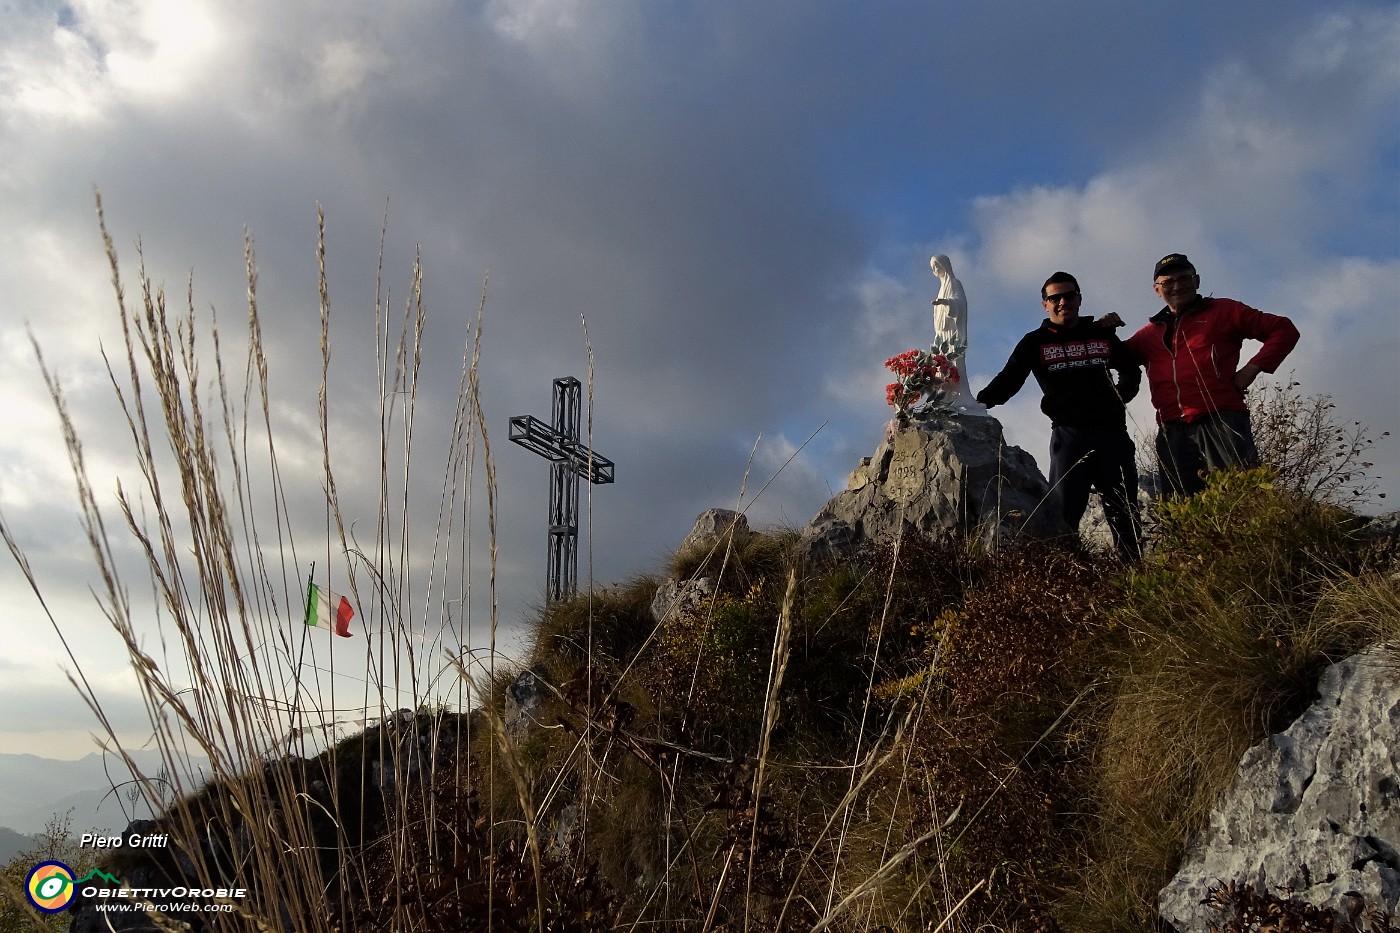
926, 737
1222, 641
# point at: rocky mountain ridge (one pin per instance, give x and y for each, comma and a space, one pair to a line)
926, 483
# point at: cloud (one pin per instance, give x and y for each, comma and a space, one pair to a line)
534, 20
50, 72
96, 57
50, 703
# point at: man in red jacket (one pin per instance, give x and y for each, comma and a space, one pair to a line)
1191, 352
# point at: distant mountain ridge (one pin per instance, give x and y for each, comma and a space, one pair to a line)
33, 790
13, 843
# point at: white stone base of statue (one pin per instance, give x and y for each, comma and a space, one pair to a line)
966, 405
950, 477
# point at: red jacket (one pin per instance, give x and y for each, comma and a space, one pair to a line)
1191, 360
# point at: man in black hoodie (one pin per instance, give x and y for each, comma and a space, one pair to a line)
1071, 357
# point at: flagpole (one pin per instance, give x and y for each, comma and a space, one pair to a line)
296, 697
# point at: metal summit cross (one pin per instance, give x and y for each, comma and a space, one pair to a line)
568, 461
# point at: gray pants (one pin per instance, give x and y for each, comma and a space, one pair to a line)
1188, 451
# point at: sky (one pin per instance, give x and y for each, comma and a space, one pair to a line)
718, 215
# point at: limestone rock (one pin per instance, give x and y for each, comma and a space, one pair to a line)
712, 525
1381, 538
410, 747
522, 704
1093, 528
712, 529
1315, 808
566, 833
957, 477
675, 598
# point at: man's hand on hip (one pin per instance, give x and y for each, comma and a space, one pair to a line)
1246, 376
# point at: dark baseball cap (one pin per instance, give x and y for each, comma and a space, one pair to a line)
1172, 262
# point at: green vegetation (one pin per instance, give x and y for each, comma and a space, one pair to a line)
928, 736
1036, 727
1248, 594
55, 844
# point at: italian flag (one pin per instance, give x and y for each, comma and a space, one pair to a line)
328, 610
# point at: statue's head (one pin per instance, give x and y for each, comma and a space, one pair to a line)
941, 265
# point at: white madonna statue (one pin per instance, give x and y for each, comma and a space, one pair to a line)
950, 323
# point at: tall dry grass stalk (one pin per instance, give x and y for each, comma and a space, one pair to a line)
226, 544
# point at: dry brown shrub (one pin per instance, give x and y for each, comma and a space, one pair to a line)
1246, 910
1023, 623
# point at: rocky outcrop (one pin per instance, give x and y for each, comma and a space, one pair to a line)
521, 707
713, 529
956, 477
1094, 530
1314, 809
712, 526
681, 597
1381, 537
